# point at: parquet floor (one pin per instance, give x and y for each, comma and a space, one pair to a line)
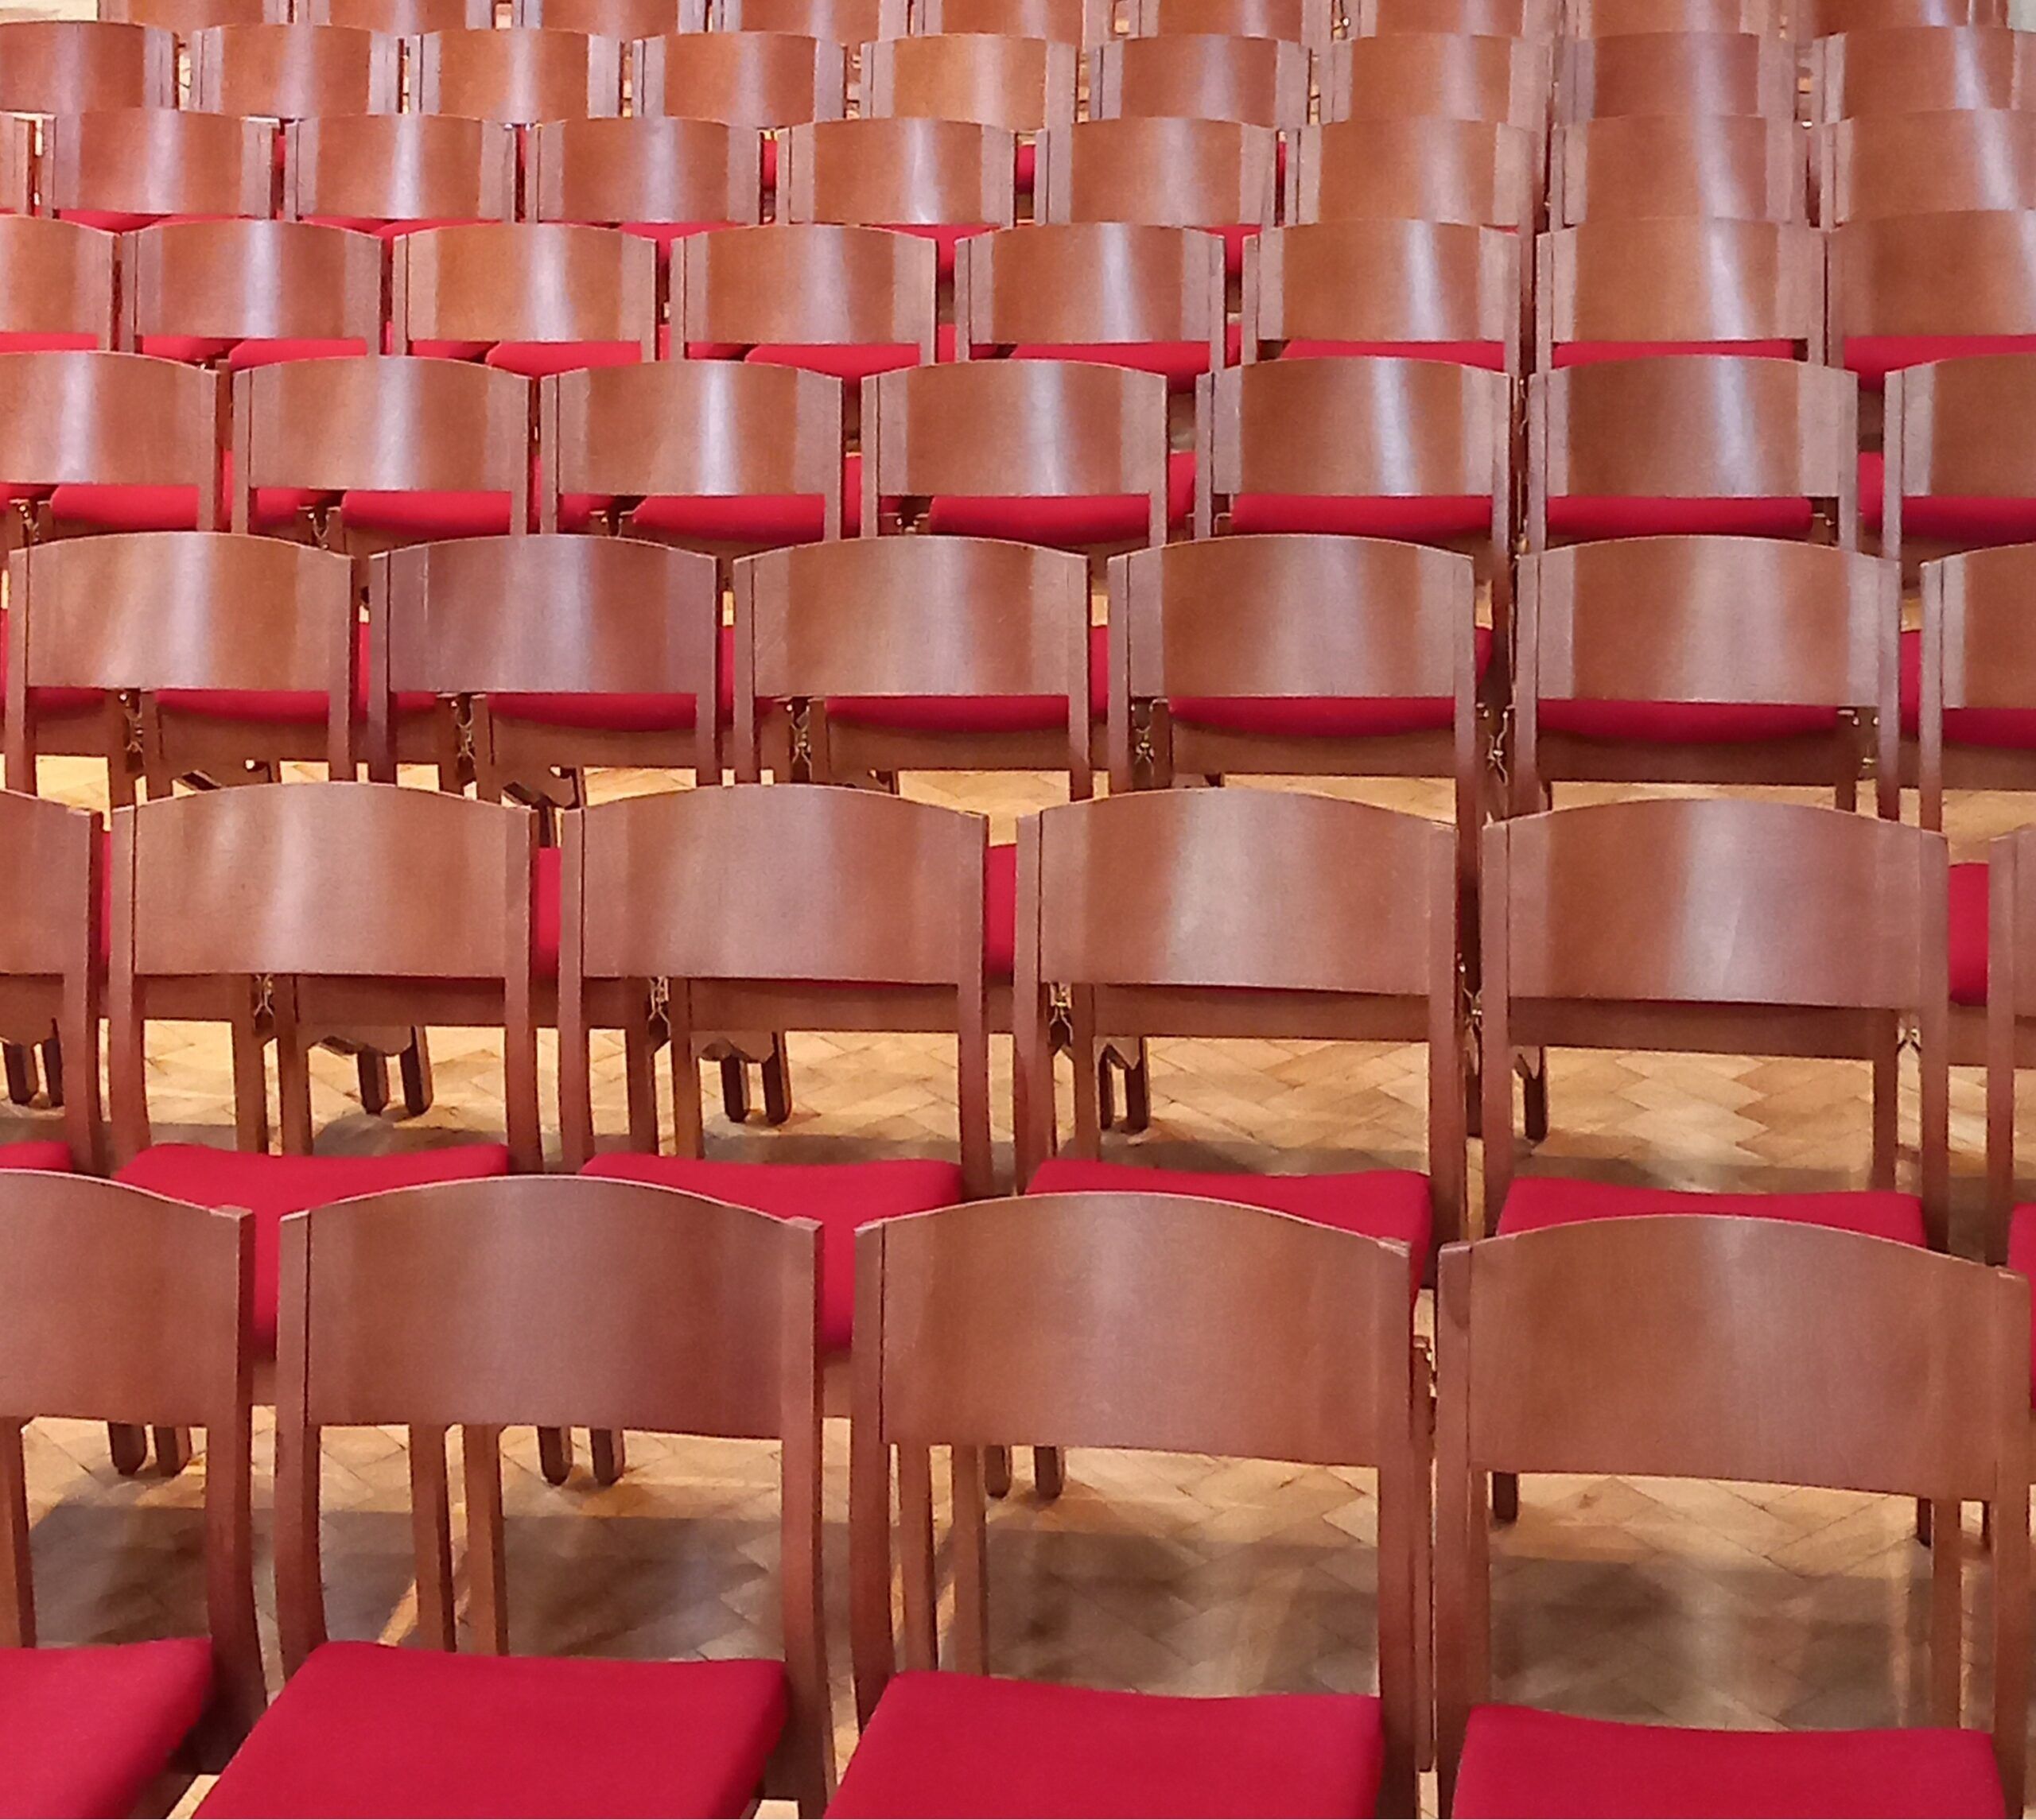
1698, 1603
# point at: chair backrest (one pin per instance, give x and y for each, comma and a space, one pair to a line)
1705, 73
550, 615
845, 21
1911, 287
1014, 430
363, 886
1741, 167
454, 289
1811, 19
1126, 1320
519, 74
1019, 84
147, 610
1958, 431
118, 420
645, 171
810, 284
82, 1335
398, 424
1262, 82
743, 896
52, 900
610, 1301
56, 285
1626, 18
199, 287
1058, 22
1411, 75
1164, 173
743, 79
1385, 287
402, 18
1478, 172
1481, 18
693, 429
1691, 284
1747, 429
186, 16
2011, 923
1976, 656
1927, 164
122, 167
908, 173
1308, 23
1919, 69
1655, 1346
627, 20
294, 73
362, 170
1714, 924
870, 617
84, 66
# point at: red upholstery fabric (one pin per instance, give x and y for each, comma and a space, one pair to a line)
288, 708
270, 1186
1001, 914
541, 360
841, 1196
1579, 516
47, 700
1415, 519
369, 1730
1968, 934
757, 518
1092, 518
36, 1153
547, 917
1520, 1762
126, 508
1028, 164
1235, 236
240, 356
427, 514
384, 230
850, 364
1323, 717
1966, 521
273, 507
1536, 1201
85, 1731
1684, 723
2013, 728
1589, 353
111, 220
961, 1745
1873, 357
27, 341
1490, 355
2021, 1253
667, 233
979, 713
620, 713
944, 234
1391, 1204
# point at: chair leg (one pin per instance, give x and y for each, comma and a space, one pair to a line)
415, 1064
996, 1471
51, 1050
735, 1089
1106, 1089
1505, 1497
1049, 1472
372, 1068
609, 1459
1137, 1090
555, 1454
173, 1450
20, 1072
776, 1070
129, 1446
1924, 1526
1534, 1094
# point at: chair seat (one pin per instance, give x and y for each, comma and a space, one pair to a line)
48, 341
620, 713
365, 1729
979, 713
1873, 357
1535, 1202
2011, 728
1685, 722
1519, 1762
452, 514
242, 355
287, 707
126, 508
1323, 717
841, 1196
1345, 515
2022, 1255
270, 1186
963, 1745
85, 1731
1064, 520
1577, 516
543, 359
1391, 1204
1001, 914
759, 518
1962, 520
1968, 934
36, 1153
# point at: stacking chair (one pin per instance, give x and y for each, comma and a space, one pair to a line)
1628, 18
939, 180
1483, 18
1472, 171
1919, 69
1910, 289
662, 179
1428, 290
390, 173
1708, 74
124, 169
294, 73
245, 294
605, 1302
1743, 168
56, 286
762, 79
1736, 1349
365, 454
401, 19
1308, 23
1413, 75
1762, 448
1881, 165
1617, 288
50, 899
845, 21
519, 74
89, 1730
84, 66
1020, 84
1049, 1313
1262, 82
1075, 22
1809, 20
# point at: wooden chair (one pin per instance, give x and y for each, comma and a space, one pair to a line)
1742, 168
964, 1335
1058, 22
390, 173
1882, 164
294, 73
401, 19
84, 66
844, 22
1960, 469
185, 17
89, 1730
1473, 171
1262, 82
56, 285
237, 294
1919, 69
605, 1302
1020, 84
2010, 1235
1628, 18
1809, 20
18, 162
1710, 74
123, 169
363, 455
1484, 19
624, 19
761, 80
1762, 448
661, 179
50, 896
1907, 1373
1415, 75
1429, 290
1306, 23
519, 75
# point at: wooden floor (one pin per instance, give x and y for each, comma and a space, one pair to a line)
1700, 1603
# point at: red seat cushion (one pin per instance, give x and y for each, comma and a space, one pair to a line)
1342, 514
1968, 934
2012, 727
46, 701
620, 713
36, 1153
1066, 519
270, 1186
1952, 519
369, 1730
1579, 517
841, 1196
126, 508
850, 363
2021, 1253
41, 341
1873, 357
241, 355
541, 360
1590, 353
1684, 723
944, 234
1490, 355
427, 514
547, 921
964, 1745
288, 706
1001, 914
1520, 1762
979, 713
1323, 717
757, 518
85, 1731
1391, 1204
1536, 1201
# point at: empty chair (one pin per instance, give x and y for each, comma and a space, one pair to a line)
1762, 448
1919, 69
1742, 168
1613, 289
1262, 82
126, 168
660, 178
403, 19
1019, 84
1926, 164
1473, 171
1486, 18
1409, 75
1058, 21
1810, 19
242, 294
941, 1296
519, 75
1308, 23
84, 66
531, 297
368, 453
1705, 73
765, 79
940, 180
1915, 287
845, 21
186, 16
55, 285
390, 173
625, 19
51, 897
1897, 1372
1439, 290
293, 73
652, 1285
1960, 469
1627, 18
